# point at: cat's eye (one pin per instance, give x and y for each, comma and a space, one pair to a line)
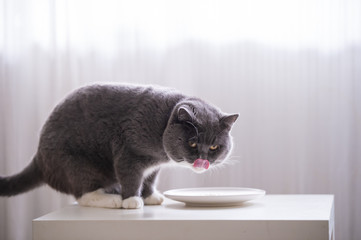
192, 144
214, 147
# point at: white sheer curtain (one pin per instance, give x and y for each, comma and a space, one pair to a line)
292, 69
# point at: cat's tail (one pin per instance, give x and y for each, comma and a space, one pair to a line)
31, 177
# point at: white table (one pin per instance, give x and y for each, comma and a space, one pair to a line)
275, 217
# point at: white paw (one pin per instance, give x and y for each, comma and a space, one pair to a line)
115, 201
155, 199
132, 202
100, 199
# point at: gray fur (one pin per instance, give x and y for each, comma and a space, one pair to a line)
107, 135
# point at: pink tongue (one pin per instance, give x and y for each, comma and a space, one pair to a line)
201, 163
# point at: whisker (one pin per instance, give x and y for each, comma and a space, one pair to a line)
222, 164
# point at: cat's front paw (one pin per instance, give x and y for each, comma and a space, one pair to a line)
155, 199
132, 203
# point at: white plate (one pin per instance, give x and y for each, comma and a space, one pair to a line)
215, 196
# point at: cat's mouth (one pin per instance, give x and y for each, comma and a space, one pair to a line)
199, 165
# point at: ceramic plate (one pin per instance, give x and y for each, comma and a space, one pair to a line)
215, 196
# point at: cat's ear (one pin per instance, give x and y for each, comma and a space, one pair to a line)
184, 114
228, 120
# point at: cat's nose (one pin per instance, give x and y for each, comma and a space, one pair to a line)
203, 156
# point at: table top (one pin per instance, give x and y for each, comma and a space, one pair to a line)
267, 208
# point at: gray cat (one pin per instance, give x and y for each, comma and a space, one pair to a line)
105, 144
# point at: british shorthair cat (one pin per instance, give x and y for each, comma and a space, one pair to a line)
105, 144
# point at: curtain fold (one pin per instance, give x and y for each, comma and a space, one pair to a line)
292, 69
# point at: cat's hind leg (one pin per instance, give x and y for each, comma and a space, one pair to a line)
99, 198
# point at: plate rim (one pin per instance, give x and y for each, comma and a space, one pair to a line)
205, 188
214, 200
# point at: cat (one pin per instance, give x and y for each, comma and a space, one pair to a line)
105, 143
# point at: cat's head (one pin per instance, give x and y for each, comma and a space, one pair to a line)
197, 135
